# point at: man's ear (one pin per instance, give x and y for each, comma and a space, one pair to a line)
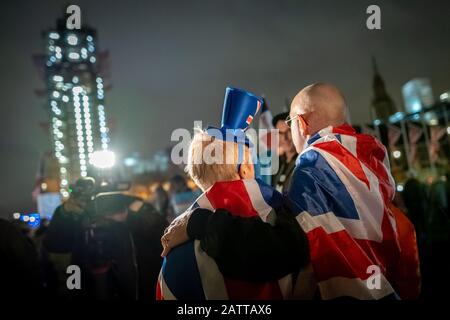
303, 127
247, 171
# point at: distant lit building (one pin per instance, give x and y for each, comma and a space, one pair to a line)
75, 91
382, 104
417, 94
159, 162
423, 148
445, 96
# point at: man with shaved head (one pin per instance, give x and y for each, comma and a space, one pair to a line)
322, 104
360, 246
342, 190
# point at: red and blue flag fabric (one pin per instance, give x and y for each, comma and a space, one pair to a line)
188, 273
341, 192
342, 189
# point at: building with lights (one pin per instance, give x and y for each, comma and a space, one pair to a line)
418, 139
75, 92
445, 96
417, 94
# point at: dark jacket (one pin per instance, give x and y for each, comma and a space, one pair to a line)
19, 265
249, 249
119, 260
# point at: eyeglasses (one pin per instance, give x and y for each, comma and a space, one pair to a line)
289, 120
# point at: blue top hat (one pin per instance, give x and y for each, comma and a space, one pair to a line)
239, 109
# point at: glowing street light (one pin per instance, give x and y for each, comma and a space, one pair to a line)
397, 154
103, 159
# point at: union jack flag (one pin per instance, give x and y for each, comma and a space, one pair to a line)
188, 273
342, 188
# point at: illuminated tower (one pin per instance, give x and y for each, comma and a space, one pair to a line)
382, 104
75, 92
417, 94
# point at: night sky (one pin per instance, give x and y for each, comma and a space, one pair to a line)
171, 61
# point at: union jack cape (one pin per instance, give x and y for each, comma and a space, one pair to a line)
188, 273
342, 190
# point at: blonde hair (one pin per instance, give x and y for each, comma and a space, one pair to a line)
211, 160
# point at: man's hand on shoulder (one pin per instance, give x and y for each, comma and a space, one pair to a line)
176, 233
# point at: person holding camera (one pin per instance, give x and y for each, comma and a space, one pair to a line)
113, 238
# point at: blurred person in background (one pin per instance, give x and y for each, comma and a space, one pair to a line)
436, 248
161, 201
181, 196
19, 264
415, 200
48, 272
447, 192
438, 219
286, 152
117, 247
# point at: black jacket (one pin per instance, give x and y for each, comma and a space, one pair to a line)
248, 248
19, 265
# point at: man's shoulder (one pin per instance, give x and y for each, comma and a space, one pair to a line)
307, 178
308, 162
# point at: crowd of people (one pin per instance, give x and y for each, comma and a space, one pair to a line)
428, 207
113, 237
328, 215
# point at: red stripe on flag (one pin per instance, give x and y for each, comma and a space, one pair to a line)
346, 157
240, 290
339, 255
235, 198
158, 291
336, 255
232, 197
372, 153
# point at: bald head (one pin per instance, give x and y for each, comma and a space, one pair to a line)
322, 104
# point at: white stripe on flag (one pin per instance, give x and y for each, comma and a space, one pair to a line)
285, 285
257, 199
349, 142
166, 293
369, 203
328, 221
353, 287
305, 286
213, 282
203, 202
